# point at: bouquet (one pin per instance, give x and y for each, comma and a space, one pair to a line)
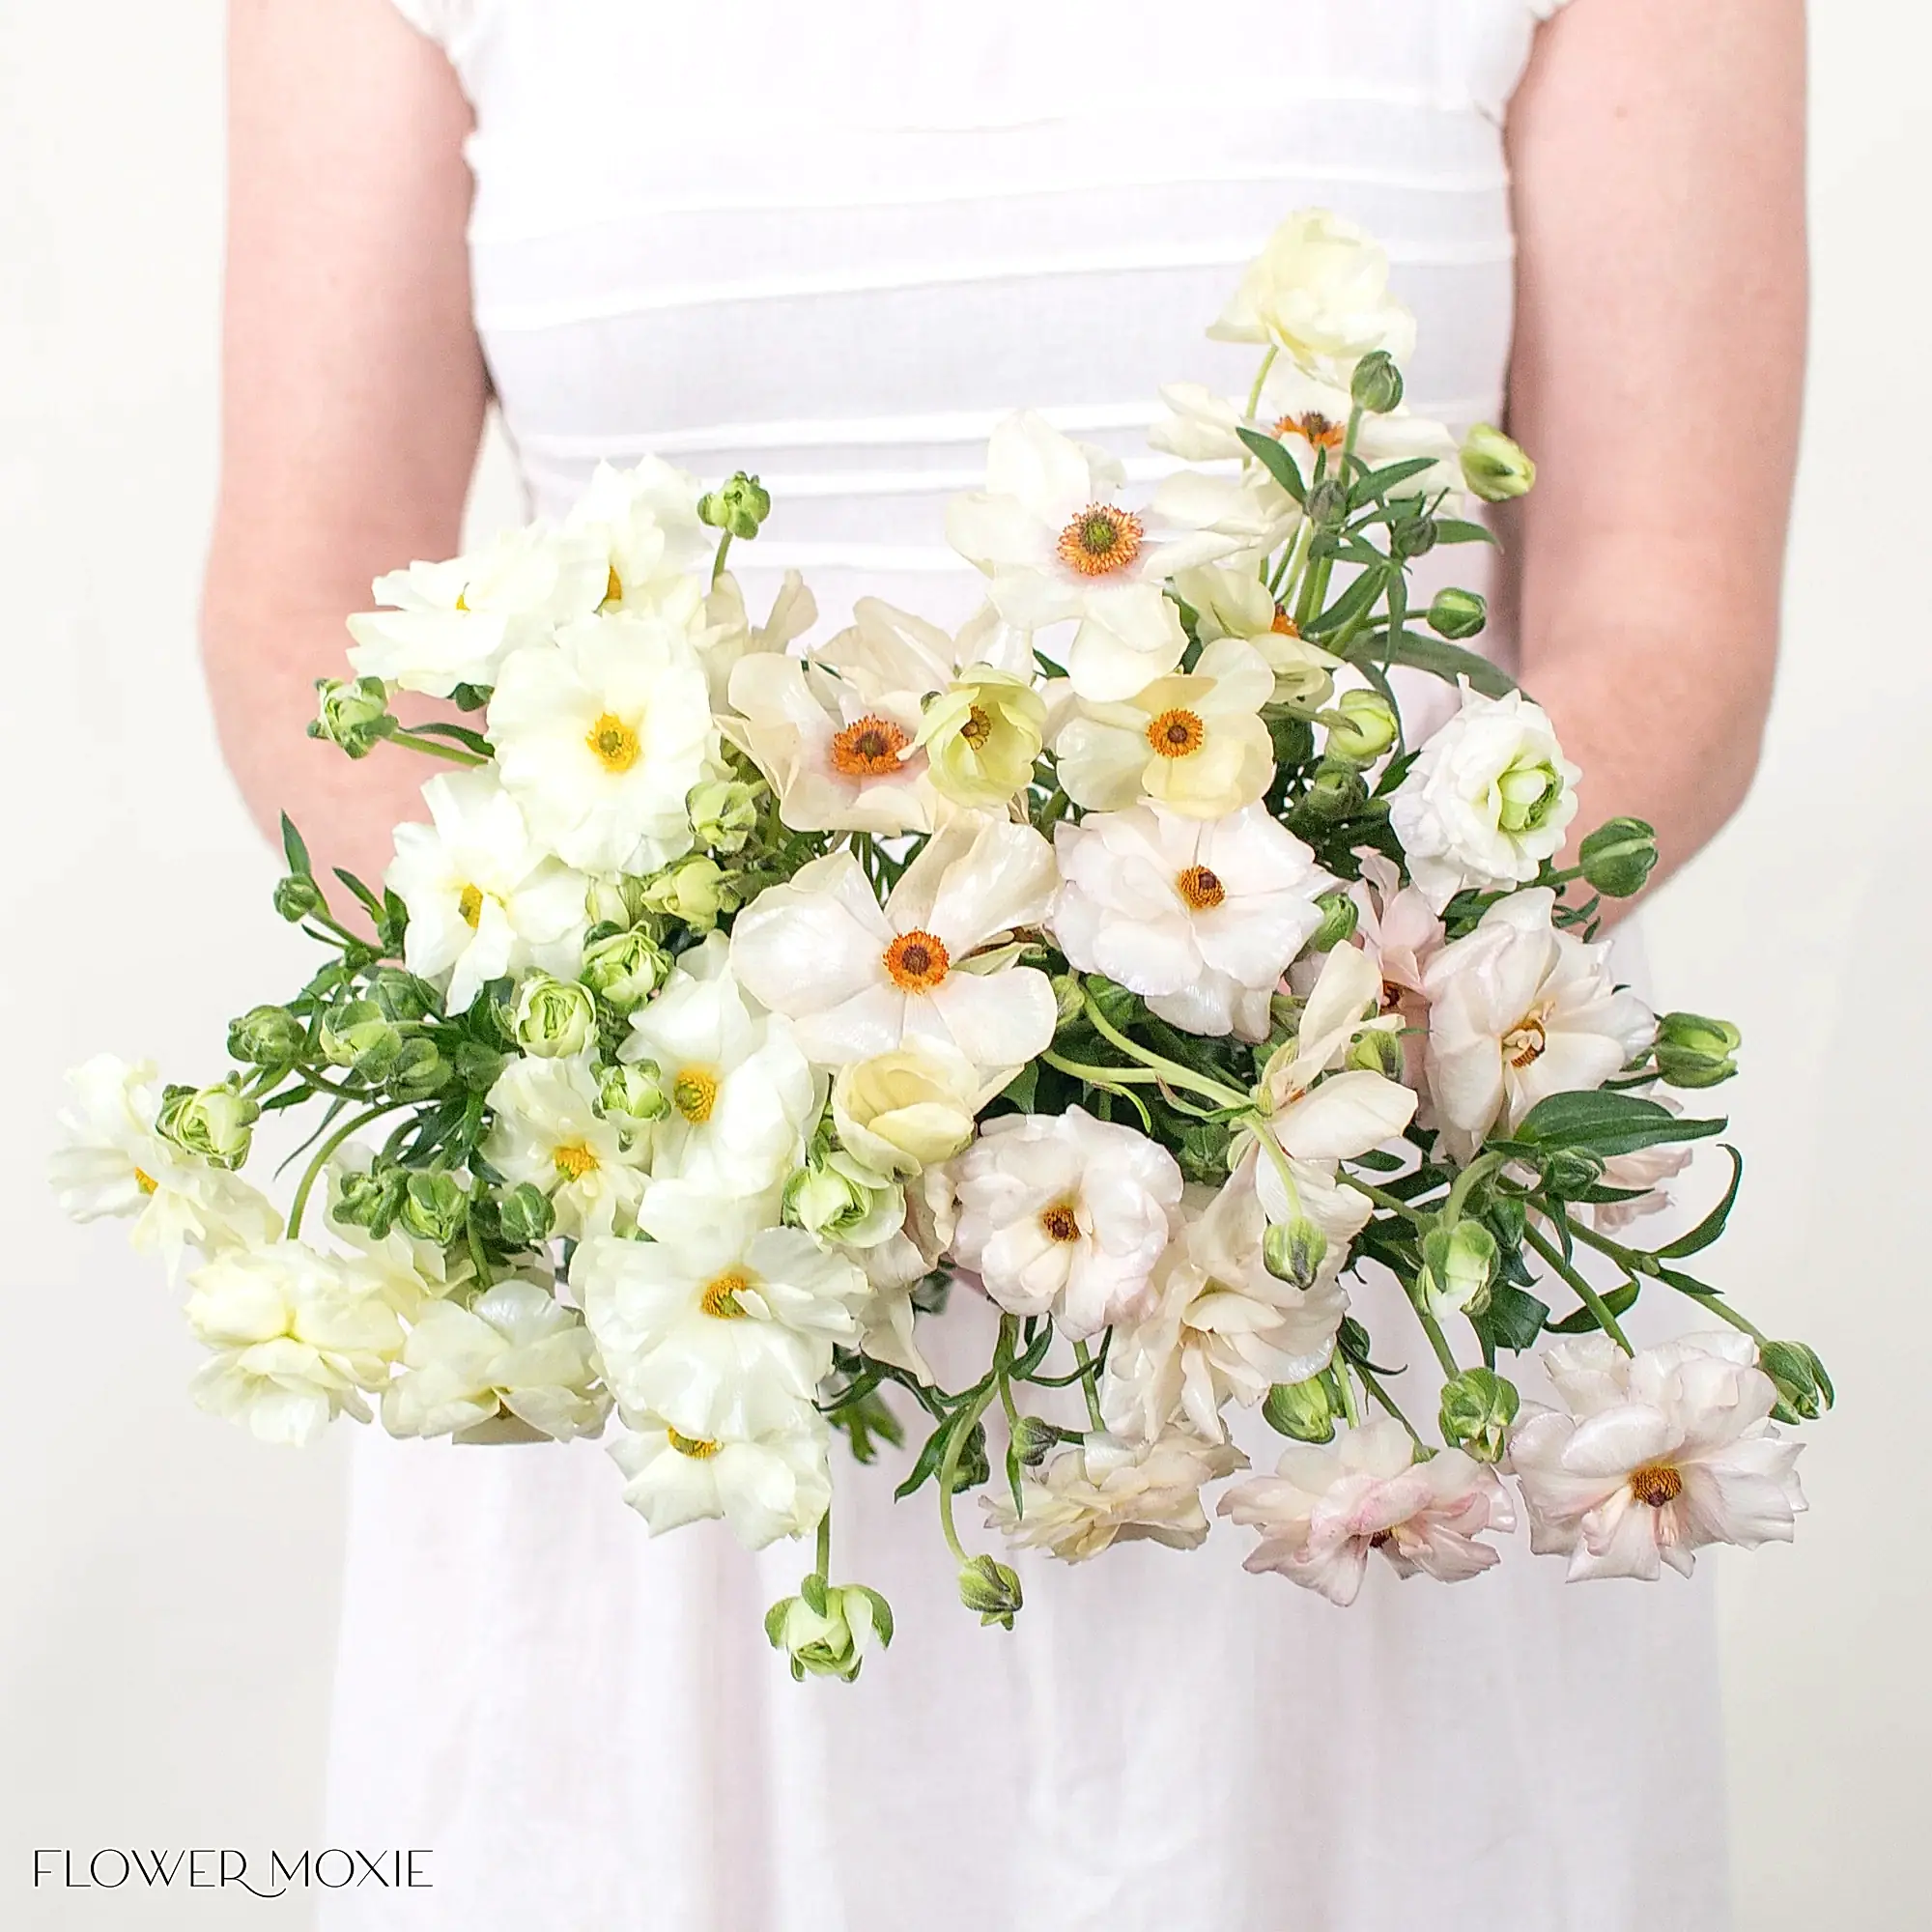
746, 1007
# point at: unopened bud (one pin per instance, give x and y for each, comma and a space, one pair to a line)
972, 1469
1413, 536
1478, 1408
434, 1206
358, 1035
400, 995
297, 896
1302, 1411
419, 1071
478, 1066
635, 1093
1804, 1389
696, 892
353, 714
213, 1123
1295, 1250
371, 1200
1377, 1049
1619, 857
1361, 727
1456, 614
525, 1216
1692, 1051
1340, 916
1495, 466
827, 1628
991, 1589
741, 506
724, 814
1570, 1173
1459, 1263
1068, 998
624, 969
1376, 386
1328, 505
618, 901
555, 1018
1033, 1437
1335, 792
266, 1036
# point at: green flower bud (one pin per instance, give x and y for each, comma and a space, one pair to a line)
1692, 1051
1340, 916
525, 1216
297, 896
1413, 536
991, 1589
625, 969
434, 1207
616, 902
555, 1018
972, 1469
1361, 727
1618, 857
213, 1123
1495, 466
1377, 1050
694, 891
1302, 1411
371, 1200
478, 1066
1457, 614
1459, 1263
724, 814
1376, 386
1068, 998
266, 1036
1328, 505
353, 715
828, 1628
633, 1094
839, 1199
741, 506
1295, 1250
1804, 1389
402, 996
1569, 1173
420, 1071
1033, 1436
1478, 1406
355, 1026
1335, 793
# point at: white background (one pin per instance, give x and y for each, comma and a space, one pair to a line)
169, 1587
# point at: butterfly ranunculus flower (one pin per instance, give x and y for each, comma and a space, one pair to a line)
1518, 1011
644, 526
551, 1131
1654, 1456
1327, 1509
1201, 919
1064, 1213
1103, 1490
1487, 800
764, 1486
857, 979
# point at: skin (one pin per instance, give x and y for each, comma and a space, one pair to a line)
1658, 156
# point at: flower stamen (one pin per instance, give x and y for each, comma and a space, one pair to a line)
470, 905
1318, 431
1524, 1044
918, 961
614, 587
720, 1299
1102, 540
869, 748
694, 1093
696, 1447
1284, 626
977, 727
1655, 1483
1177, 734
1201, 887
613, 742
1061, 1222
146, 1181
575, 1161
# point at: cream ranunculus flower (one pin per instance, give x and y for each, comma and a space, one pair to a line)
729, 635
1518, 1011
548, 1131
454, 623
1194, 742
1327, 1508
1233, 601
1104, 1491
484, 899
296, 1342
1201, 921
515, 1350
1064, 1214
601, 735
643, 526
1486, 801
740, 1090
1656, 1457
112, 1162
857, 981
1319, 291
1058, 549
982, 735
1222, 1328
907, 1110
764, 1486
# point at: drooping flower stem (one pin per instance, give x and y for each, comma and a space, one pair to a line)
1173, 1075
1260, 382
1637, 1262
322, 1154
1088, 1381
1373, 1385
1585, 1293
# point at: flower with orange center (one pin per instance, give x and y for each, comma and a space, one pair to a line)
1202, 888
1318, 431
1101, 540
917, 961
872, 748
1177, 734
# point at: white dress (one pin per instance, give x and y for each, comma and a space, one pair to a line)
832, 243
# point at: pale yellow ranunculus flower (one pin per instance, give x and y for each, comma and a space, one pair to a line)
981, 736
907, 1110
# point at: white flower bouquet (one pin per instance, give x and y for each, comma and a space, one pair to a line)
745, 1009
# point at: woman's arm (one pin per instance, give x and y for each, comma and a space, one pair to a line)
1657, 152
353, 387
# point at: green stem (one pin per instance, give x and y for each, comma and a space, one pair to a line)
1260, 381
1440, 1342
1585, 1293
1088, 1380
949, 1466
1465, 1181
824, 1565
1176, 1076
1103, 1076
322, 1154
435, 748
1278, 1154
1394, 1205
1634, 1260
717, 562
1388, 1400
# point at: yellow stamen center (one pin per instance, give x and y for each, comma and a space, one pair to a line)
694, 1446
1525, 1042
1655, 1483
720, 1296
1177, 734
613, 742
869, 748
614, 587
977, 727
1061, 1222
574, 1161
470, 906
1201, 887
917, 961
693, 1093
461, 603
145, 1181
1101, 540
1318, 431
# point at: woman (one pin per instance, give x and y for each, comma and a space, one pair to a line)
831, 247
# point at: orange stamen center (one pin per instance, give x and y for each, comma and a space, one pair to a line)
1061, 1222
1101, 540
869, 748
1284, 626
1525, 1042
1655, 1483
917, 961
1318, 431
1175, 734
1201, 887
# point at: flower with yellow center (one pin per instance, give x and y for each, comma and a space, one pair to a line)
1194, 743
549, 1131
763, 1486
641, 527
983, 736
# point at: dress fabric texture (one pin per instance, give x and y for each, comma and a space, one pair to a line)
833, 245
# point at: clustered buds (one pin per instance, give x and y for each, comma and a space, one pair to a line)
739, 509
1694, 1052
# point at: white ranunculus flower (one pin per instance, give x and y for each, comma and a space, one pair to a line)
1487, 800
111, 1163
1518, 1011
1327, 1508
454, 623
1194, 742
296, 1340
740, 1089
907, 1110
1222, 1328
1201, 919
601, 735
1057, 549
1319, 291
1102, 1490
484, 899
1067, 1214
721, 1323
643, 525
1656, 1457
513, 1348
549, 1132
1648, 1169
858, 981
1230, 601
729, 635
764, 1486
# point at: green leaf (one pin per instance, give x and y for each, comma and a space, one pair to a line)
1712, 1225
1379, 1162
1605, 1123
1277, 462
456, 735
1357, 599
1022, 1088
931, 1456
1445, 660
370, 904
294, 849
1513, 1319
1456, 530
1377, 483
882, 1612
1617, 1300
